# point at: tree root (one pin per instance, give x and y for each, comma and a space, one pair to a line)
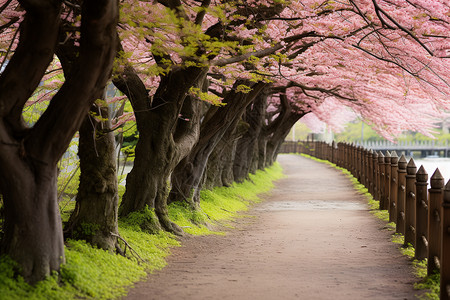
123, 252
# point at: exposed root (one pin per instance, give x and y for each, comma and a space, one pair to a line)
123, 252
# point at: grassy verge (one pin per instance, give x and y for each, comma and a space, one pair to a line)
431, 283
91, 273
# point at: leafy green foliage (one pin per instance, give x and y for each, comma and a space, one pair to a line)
192, 221
97, 273
148, 250
91, 273
145, 220
431, 283
208, 97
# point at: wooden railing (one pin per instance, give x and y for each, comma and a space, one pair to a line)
423, 218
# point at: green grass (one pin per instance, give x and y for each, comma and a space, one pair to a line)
91, 273
431, 283
221, 205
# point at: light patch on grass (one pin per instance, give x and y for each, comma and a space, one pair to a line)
221, 205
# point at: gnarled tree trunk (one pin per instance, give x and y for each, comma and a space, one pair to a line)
168, 129
277, 137
94, 218
187, 177
28, 156
219, 170
273, 134
246, 161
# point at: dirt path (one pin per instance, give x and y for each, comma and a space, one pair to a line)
313, 238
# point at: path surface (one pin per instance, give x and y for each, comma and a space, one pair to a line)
313, 238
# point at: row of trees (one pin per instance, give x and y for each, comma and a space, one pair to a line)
215, 87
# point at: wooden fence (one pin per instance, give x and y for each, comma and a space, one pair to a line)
422, 216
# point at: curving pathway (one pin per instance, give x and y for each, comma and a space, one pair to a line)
313, 238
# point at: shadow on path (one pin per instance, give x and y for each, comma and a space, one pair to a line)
313, 238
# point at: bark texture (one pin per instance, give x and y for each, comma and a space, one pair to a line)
94, 218
219, 170
246, 159
274, 133
168, 128
28, 156
187, 176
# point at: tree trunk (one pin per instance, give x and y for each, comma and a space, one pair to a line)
187, 176
95, 214
168, 129
33, 230
229, 152
262, 147
245, 161
277, 137
219, 171
213, 174
28, 156
273, 134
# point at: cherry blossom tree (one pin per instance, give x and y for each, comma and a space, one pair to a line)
169, 121
322, 51
179, 62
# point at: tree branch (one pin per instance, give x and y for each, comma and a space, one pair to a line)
52, 133
379, 10
38, 37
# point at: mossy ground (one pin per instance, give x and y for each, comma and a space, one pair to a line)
91, 273
431, 283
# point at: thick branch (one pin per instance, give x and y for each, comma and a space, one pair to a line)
38, 38
52, 133
129, 83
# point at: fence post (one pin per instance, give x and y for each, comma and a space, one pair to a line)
317, 149
394, 187
330, 148
322, 150
445, 250
366, 168
358, 163
434, 221
369, 172
339, 154
381, 167
410, 204
347, 156
333, 153
375, 175
361, 165
401, 187
421, 214
353, 160
387, 180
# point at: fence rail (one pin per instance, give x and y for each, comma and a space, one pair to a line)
422, 217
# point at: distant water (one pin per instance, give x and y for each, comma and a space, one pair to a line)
431, 164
